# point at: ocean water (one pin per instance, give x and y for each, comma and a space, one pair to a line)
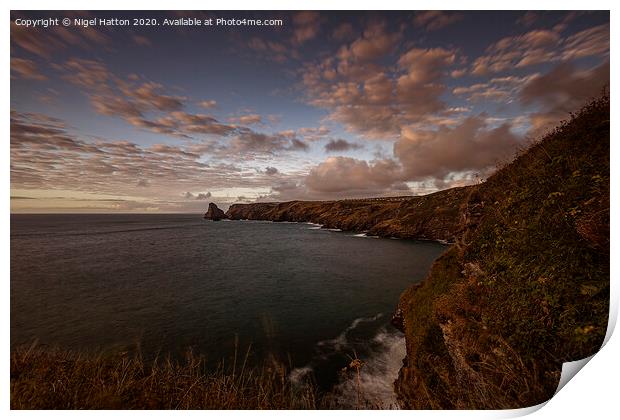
313, 298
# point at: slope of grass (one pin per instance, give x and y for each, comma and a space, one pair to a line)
526, 287
44, 378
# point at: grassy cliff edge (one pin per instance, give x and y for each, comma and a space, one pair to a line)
526, 286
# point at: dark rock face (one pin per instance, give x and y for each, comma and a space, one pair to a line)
398, 320
214, 213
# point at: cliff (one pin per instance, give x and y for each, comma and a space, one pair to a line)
215, 213
435, 216
526, 286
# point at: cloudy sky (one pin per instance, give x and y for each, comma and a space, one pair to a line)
327, 105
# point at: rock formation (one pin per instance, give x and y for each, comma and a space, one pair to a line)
435, 216
214, 213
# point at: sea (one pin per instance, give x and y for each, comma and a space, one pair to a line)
164, 284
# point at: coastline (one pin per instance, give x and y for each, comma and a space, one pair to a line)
462, 339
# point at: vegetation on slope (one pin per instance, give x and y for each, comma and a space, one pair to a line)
526, 287
433, 216
54, 379
51, 378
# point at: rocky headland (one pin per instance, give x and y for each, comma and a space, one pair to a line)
435, 216
215, 213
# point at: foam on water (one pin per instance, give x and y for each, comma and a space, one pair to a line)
374, 387
326, 348
365, 235
339, 342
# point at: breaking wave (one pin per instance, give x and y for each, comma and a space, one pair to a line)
374, 388
382, 358
365, 235
338, 343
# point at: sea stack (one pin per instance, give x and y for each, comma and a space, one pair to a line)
214, 213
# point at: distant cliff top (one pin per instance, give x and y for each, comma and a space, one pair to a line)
434, 216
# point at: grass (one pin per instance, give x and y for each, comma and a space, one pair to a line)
526, 286
50, 378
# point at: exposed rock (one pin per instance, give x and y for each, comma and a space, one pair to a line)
214, 213
435, 216
398, 320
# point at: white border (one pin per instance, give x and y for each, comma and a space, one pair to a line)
592, 394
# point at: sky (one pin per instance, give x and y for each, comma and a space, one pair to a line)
326, 105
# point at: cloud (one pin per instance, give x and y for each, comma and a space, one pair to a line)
343, 174
26, 69
297, 144
203, 196
44, 42
171, 150
246, 119
44, 133
470, 146
528, 18
589, 42
433, 20
419, 89
141, 104
374, 43
252, 142
562, 90
89, 74
498, 89
46, 154
377, 101
183, 124
541, 46
343, 32
148, 97
306, 26
340, 145
338, 177
116, 106
313, 133
208, 104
